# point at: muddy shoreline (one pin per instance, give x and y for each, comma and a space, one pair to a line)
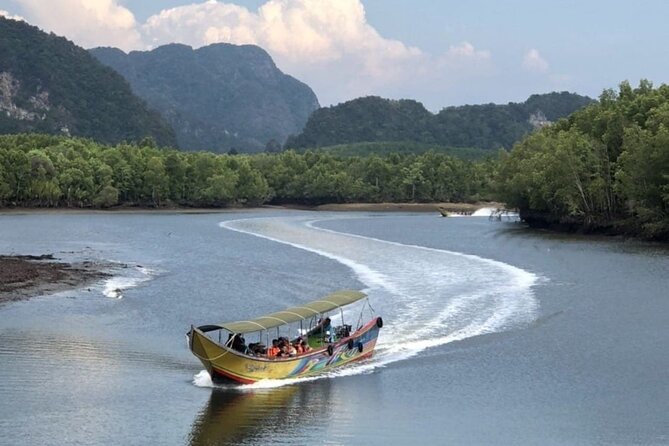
24, 276
337, 207
406, 207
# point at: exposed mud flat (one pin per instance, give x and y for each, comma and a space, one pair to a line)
26, 276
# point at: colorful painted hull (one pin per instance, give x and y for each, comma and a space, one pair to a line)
223, 363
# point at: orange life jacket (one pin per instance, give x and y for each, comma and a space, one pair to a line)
272, 352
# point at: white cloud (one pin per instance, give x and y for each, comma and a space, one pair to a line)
533, 62
296, 32
89, 23
467, 51
462, 60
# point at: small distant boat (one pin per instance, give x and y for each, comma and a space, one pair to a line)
445, 213
327, 346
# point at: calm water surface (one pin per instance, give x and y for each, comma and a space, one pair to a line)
493, 334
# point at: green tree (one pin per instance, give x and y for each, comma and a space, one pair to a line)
176, 168
76, 186
412, 177
155, 180
43, 184
251, 187
5, 190
220, 189
107, 197
606, 166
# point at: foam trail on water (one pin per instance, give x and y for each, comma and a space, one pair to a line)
487, 212
427, 296
203, 379
483, 212
132, 277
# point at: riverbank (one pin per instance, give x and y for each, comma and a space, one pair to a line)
402, 207
330, 207
617, 227
121, 210
25, 276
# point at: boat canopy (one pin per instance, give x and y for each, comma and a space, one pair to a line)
290, 315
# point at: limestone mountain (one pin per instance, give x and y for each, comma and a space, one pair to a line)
218, 97
487, 126
50, 85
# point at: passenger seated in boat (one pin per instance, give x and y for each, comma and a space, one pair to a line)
305, 346
274, 350
283, 350
257, 348
292, 351
238, 343
298, 346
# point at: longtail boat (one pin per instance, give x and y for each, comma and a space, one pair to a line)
445, 212
327, 346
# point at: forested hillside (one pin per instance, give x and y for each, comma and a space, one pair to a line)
605, 168
48, 171
48, 84
219, 97
488, 126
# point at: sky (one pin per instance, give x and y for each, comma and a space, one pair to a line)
439, 52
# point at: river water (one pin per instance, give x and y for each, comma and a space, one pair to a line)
494, 334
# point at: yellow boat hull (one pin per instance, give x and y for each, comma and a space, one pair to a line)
223, 363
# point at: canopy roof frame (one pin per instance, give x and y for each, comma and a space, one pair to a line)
301, 312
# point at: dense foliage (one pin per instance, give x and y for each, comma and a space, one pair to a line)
487, 126
605, 167
217, 97
404, 147
49, 171
51, 85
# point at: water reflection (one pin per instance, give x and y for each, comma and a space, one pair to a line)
260, 416
613, 243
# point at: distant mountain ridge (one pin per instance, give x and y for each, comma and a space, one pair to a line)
50, 85
487, 126
218, 97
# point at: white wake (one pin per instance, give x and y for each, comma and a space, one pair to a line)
426, 296
131, 277
487, 212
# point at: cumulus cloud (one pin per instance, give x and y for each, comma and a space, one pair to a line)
467, 51
463, 60
89, 23
533, 62
295, 32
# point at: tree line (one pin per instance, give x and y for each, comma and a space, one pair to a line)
53, 171
605, 167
